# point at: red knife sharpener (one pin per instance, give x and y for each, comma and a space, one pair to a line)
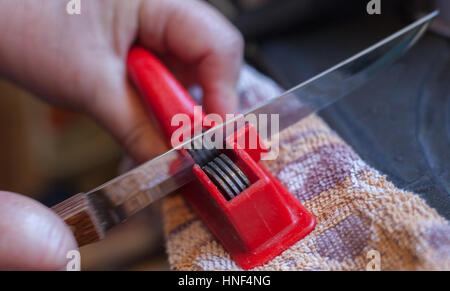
256, 225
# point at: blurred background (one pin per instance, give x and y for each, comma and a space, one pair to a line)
399, 123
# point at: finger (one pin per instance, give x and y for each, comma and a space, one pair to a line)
117, 107
197, 34
32, 237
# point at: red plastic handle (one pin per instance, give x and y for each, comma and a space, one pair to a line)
162, 93
260, 222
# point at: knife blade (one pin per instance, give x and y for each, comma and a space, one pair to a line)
91, 214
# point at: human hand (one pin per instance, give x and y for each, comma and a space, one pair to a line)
79, 62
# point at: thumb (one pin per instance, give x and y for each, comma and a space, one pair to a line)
32, 236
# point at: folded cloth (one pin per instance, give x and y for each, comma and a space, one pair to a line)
363, 220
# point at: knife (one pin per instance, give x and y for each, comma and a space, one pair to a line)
91, 214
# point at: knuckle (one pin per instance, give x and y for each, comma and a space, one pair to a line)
236, 42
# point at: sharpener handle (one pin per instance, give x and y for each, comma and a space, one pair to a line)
161, 92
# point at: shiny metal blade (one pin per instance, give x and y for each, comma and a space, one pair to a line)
331, 85
131, 192
138, 188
